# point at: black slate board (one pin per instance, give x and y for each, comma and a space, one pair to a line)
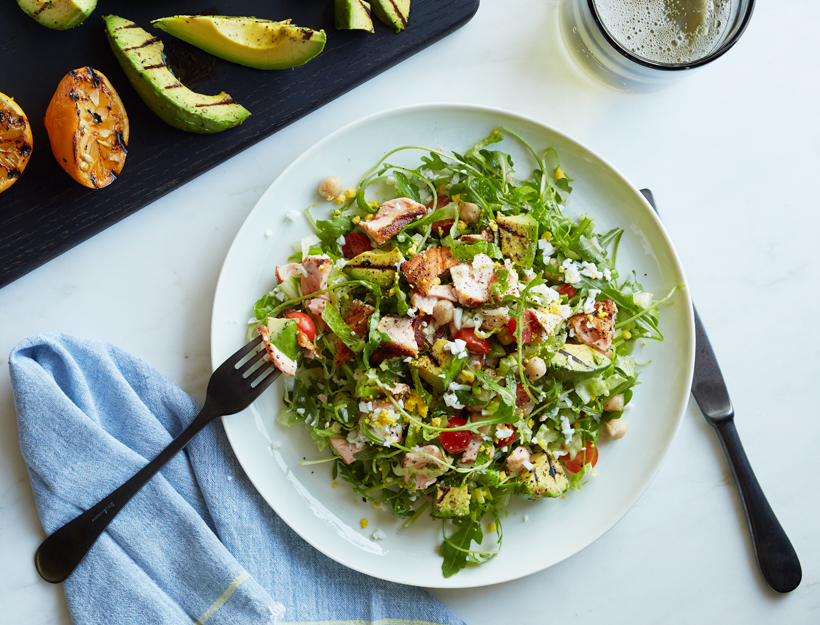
46, 213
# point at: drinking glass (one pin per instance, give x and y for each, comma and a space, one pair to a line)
607, 58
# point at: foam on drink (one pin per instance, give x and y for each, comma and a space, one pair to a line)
666, 31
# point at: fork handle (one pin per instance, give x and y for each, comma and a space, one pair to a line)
775, 554
60, 553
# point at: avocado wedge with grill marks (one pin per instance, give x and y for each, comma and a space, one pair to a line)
58, 14
394, 13
141, 57
353, 15
249, 41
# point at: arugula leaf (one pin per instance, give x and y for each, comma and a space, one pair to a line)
455, 550
337, 325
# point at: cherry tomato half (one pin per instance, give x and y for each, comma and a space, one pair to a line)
474, 344
530, 326
303, 323
589, 455
568, 290
504, 442
355, 243
441, 202
442, 227
457, 441
521, 397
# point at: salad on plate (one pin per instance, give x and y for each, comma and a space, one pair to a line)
455, 339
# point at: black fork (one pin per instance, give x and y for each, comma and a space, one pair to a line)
232, 387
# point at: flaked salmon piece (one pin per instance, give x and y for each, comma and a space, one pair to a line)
285, 272
472, 281
400, 388
357, 315
544, 319
314, 279
515, 461
422, 303
442, 291
346, 449
402, 337
282, 362
305, 342
471, 453
423, 268
392, 217
484, 235
413, 460
596, 329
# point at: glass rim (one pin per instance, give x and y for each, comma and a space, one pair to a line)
669, 67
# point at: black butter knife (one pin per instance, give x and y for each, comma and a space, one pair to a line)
776, 557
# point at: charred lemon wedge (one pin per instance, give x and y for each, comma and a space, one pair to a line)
88, 128
15, 142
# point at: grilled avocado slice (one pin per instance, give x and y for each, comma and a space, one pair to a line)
394, 13
576, 362
375, 266
58, 14
545, 479
141, 57
249, 41
452, 501
353, 15
519, 238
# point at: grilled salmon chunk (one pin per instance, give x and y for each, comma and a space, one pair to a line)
357, 316
596, 329
392, 217
423, 268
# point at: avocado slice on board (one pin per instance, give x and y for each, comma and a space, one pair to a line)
353, 15
249, 41
394, 13
141, 57
58, 14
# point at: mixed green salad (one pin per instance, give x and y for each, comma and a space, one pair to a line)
456, 339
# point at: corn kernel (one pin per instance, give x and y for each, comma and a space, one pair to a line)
376, 503
436, 281
356, 219
340, 199
502, 475
456, 197
626, 334
462, 225
442, 188
364, 523
467, 376
493, 225
530, 423
335, 485
329, 198
373, 204
347, 296
491, 527
561, 269
350, 194
436, 422
337, 212
495, 132
547, 236
368, 217
559, 173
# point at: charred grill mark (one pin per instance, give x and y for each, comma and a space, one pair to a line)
94, 180
14, 173
2, 117
121, 142
157, 66
74, 95
131, 25
400, 14
306, 33
74, 76
433, 360
444, 491
149, 42
364, 6
552, 466
113, 174
95, 116
174, 86
45, 6
220, 103
574, 359
25, 150
94, 78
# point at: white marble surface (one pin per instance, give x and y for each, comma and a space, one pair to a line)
732, 156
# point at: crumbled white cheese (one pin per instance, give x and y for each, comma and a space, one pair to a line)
452, 401
547, 249
591, 271
306, 243
455, 386
526, 518
365, 406
458, 315
502, 432
355, 437
268, 234
458, 348
589, 304
571, 273
546, 293
566, 429
379, 535
293, 215
528, 465
300, 411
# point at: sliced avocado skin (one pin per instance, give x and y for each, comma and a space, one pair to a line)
546, 479
142, 60
436, 362
375, 266
353, 15
290, 45
58, 14
394, 13
452, 501
576, 362
283, 336
519, 234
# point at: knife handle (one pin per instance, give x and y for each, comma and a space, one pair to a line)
776, 557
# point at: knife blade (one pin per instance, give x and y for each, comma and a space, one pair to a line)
776, 557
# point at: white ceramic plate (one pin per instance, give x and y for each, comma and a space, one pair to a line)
328, 518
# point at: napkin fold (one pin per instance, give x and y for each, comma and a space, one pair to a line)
198, 544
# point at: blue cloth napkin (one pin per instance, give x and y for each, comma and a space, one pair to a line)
198, 544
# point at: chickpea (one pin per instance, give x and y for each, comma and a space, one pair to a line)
331, 187
469, 212
616, 428
535, 368
443, 312
614, 403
